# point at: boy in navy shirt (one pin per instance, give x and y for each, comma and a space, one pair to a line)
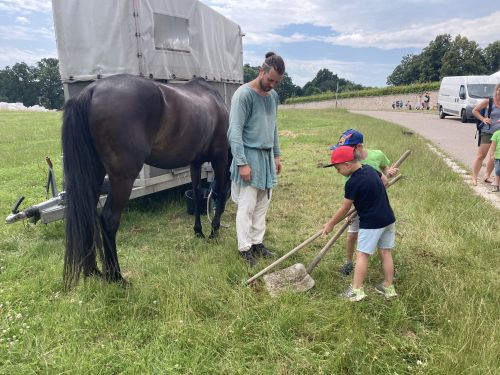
366, 191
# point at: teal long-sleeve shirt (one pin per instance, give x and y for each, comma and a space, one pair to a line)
253, 136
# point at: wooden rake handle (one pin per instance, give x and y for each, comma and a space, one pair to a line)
401, 160
351, 214
284, 257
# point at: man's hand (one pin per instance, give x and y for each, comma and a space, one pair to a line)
277, 162
245, 172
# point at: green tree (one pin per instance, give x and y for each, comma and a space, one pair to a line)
431, 58
492, 57
19, 85
33, 85
250, 72
287, 89
463, 58
407, 72
49, 83
325, 80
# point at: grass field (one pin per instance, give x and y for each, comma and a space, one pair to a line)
188, 311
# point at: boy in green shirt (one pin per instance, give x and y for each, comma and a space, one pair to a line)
495, 154
374, 158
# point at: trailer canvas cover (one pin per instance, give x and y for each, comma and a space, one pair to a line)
160, 39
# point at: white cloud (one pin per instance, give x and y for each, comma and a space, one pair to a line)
357, 23
483, 30
25, 33
22, 20
30, 57
25, 6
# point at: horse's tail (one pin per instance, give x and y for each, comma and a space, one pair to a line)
83, 172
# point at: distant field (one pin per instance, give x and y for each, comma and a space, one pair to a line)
188, 311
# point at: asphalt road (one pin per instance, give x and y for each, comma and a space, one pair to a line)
449, 134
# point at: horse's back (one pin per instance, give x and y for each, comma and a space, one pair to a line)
165, 125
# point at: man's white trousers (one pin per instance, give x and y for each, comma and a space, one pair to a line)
251, 214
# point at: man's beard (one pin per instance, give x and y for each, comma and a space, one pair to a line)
264, 88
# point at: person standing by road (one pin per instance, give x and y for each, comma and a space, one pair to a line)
253, 137
491, 125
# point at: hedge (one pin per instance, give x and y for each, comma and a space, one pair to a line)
389, 90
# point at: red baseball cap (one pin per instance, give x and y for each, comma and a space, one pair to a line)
342, 154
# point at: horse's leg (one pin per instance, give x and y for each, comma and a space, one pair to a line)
110, 221
197, 198
221, 181
90, 264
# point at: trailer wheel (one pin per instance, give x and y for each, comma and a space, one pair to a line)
441, 113
464, 116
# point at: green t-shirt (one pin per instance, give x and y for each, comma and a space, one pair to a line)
375, 159
496, 137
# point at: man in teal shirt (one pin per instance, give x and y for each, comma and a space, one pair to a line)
253, 137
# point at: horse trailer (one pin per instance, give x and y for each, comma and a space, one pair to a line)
164, 40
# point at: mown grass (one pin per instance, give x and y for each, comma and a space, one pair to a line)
188, 311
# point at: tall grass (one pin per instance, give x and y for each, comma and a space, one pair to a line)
188, 310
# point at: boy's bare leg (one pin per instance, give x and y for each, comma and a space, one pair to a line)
360, 270
352, 237
387, 266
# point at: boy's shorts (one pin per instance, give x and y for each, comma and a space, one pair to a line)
497, 167
370, 239
354, 226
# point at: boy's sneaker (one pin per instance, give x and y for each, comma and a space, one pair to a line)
353, 295
387, 291
346, 269
249, 258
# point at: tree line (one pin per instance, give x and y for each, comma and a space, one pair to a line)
445, 56
30, 85
324, 81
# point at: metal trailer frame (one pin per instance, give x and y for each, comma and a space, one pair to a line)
165, 40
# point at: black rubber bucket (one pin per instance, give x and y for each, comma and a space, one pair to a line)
190, 201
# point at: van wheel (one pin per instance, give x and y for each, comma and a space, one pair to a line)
464, 116
441, 113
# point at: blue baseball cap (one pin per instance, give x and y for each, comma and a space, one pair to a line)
350, 137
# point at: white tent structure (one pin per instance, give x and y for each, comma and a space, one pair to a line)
167, 40
497, 74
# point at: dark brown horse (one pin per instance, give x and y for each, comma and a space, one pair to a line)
113, 127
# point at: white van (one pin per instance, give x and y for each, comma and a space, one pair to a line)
460, 94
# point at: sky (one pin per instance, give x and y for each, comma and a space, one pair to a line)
360, 40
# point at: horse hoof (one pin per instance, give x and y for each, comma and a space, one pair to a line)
199, 235
213, 235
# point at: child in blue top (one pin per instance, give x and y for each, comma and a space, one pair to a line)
366, 191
